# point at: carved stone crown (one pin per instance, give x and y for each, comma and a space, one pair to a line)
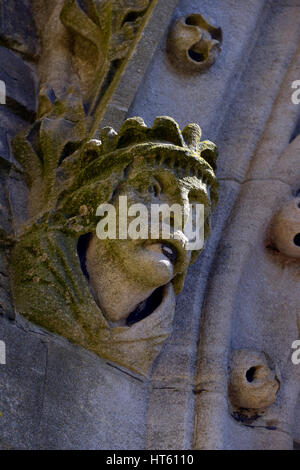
59, 161
165, 129
180, 149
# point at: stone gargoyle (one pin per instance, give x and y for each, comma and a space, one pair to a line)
113, 297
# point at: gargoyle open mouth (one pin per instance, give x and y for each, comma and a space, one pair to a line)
171, 251
145, 308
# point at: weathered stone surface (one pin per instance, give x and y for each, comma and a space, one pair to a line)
89, 404
132, 76
170, 431
52, 396
5, 297
21, 85
209, 91
296, 427
17, 28
249, 111
10, 124
22, 381
5, 216
6, 237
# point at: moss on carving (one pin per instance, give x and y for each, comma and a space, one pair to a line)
103, 33
66, 188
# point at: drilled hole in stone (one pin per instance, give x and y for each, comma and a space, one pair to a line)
191, 20
297, 239
196, 56
250, 374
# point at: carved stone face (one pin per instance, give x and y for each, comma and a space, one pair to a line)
115, 297
128, 276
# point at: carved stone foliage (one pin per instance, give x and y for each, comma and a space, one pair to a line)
106, 29
194, 43
86, 43
110, 296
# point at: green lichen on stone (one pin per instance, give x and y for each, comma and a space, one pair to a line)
65, 189
103, 34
